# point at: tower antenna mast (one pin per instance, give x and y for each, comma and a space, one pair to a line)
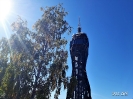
79, 22
79, 28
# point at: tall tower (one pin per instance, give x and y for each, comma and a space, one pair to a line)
79, 52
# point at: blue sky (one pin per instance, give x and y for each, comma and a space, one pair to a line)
109, 26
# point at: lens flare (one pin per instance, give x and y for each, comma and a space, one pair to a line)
5, 8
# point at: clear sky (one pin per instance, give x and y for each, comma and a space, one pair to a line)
109, 27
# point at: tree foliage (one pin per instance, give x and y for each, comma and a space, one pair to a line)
33, 63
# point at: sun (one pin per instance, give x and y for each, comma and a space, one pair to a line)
5, 8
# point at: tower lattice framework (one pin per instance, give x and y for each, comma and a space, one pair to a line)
79, 53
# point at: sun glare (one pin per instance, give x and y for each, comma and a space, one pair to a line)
5, 7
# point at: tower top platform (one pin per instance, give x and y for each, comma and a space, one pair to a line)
79, 35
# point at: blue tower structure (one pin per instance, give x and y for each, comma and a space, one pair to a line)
79, 53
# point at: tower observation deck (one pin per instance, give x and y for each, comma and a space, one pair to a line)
79, 52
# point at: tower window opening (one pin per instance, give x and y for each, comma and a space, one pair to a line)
76, 71
76, 58
88, 94
80, 66
80, 74
76, 64
80, 81
82, 96
74, 93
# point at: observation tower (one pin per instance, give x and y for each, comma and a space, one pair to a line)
79, 52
